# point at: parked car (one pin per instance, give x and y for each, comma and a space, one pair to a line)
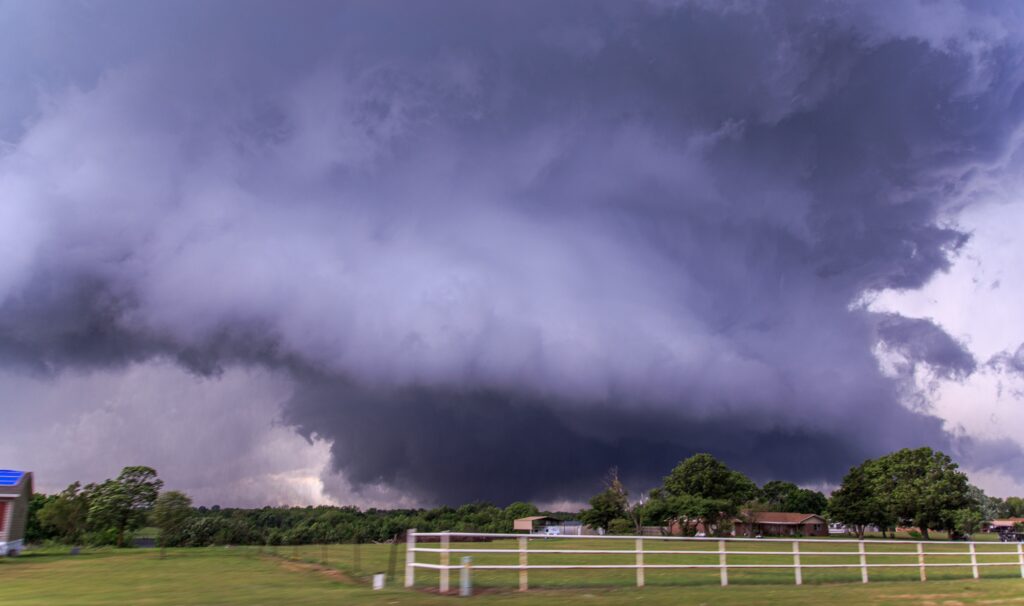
551, 531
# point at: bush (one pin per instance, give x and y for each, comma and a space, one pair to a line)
914, 534
620, 526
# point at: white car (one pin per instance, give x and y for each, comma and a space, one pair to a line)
551, 531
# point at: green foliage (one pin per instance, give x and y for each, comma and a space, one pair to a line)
620, 526
610, 504
857, 504
66, 515
788, 497
702, 490
1012, 507
919, 487
123, 503
967, 521
35, 531
705, 476
171, 512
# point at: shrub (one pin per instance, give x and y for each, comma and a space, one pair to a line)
620, 526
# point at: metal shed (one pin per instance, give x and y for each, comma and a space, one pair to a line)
15, 494
530, 524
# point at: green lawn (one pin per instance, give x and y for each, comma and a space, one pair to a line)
295, 576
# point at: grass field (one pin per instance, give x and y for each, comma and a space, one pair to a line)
296, 575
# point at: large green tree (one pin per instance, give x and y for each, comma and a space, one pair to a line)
921, 487
122, 503
914, 487
856, 503
701, 489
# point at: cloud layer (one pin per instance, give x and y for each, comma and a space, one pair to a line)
499, 248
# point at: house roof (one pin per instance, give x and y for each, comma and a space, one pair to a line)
534, 518
1007, 521
13, 482
780, 517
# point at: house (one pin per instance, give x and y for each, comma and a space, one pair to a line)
15, 494
1003, 524
780, 524
533, 524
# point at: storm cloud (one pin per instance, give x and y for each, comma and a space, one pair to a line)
500, 247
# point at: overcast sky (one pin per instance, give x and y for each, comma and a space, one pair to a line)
398, 253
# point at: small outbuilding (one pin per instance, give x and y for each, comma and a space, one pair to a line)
781, 524
533, 524
15, 494
1001, 525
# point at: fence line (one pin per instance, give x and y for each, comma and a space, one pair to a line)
523, 551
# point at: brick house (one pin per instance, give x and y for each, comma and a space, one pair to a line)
780, 524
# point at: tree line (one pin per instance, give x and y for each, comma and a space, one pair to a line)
110, 512
920, 488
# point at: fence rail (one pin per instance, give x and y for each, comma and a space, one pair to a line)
638, 552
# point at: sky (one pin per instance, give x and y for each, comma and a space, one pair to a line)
407, 254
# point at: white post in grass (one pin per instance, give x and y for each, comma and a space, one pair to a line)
465, 580
721, 563
796, 563
639, 562
1020, 558
523, 580
974, 560
444, 562
863, 563
410, 558
920, 561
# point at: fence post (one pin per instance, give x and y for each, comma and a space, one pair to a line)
920, 561
465, 582
974, 560
796, 563
639, 562
1020, 558
863, 563
523, 580
444, 562
410, 558
721, 563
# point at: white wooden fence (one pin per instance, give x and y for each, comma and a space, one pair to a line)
792, 548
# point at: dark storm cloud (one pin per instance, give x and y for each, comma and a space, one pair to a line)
501, 247
920, 340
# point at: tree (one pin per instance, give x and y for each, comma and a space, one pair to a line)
990, 508
786, 496
856, 504
701, 489
35, 532
122, 504
921, 487
67, 514
609, 504
1013, 507
967, 521
171, 512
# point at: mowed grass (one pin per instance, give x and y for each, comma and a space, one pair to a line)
297, 575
